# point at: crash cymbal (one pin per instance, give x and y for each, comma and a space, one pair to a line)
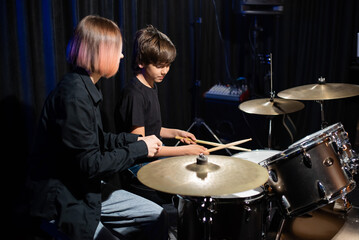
320, 91
265, 106
192, 175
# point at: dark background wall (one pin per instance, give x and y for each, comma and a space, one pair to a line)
217, 43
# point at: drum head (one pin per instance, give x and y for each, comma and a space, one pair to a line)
246, 194
256, 156
281, 155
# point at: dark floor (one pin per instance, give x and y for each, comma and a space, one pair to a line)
324, 223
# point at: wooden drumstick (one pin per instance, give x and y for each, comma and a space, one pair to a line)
229, 145
214, 144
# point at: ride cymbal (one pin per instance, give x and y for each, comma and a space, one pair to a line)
265, 106
321, 91
191, 175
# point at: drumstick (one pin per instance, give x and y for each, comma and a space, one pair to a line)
214, 144
229, 145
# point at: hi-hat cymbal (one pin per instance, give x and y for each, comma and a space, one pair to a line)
265, 106
191, 176
321, 91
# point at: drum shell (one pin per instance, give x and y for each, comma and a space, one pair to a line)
232, 218
304, 179
340, 141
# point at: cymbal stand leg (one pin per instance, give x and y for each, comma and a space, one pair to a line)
279, 233
199, 121
324, 124
215, 136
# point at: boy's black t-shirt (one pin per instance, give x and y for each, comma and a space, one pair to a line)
138, 105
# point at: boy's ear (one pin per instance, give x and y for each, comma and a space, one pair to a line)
141, 65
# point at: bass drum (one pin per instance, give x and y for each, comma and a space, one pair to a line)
309, 174
235, 216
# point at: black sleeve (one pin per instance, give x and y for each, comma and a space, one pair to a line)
83, 136
130, 110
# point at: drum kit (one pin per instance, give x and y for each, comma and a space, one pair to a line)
235, 197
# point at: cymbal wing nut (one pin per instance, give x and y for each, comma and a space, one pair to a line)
202, 159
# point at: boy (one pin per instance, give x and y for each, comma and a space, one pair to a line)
139, 109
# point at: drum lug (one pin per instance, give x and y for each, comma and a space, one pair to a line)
307, 159
206, 210
273, 175
348, 171
247, 208
336, 148
247, 213
353, 162
321, 189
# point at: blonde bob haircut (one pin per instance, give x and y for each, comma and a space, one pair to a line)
96, 46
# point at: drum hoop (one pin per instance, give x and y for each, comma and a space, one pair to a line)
294, 150
246, 200
254, 197
324, 133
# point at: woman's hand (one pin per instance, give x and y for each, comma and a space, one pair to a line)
153, 144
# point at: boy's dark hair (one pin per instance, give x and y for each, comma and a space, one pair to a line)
152, 47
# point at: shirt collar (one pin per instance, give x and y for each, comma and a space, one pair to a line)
92, 89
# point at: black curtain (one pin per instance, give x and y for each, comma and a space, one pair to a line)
319, 40
216, 43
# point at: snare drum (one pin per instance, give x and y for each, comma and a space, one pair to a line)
310, 173
257, 155
235, 216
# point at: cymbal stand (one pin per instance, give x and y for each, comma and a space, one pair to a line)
270, 132
196, 79
324, 123
199, 121
272, 96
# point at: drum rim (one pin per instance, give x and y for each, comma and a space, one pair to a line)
253, 197
295, 150
321, 133
305, 144
246, 200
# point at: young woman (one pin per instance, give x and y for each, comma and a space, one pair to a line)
73, 157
